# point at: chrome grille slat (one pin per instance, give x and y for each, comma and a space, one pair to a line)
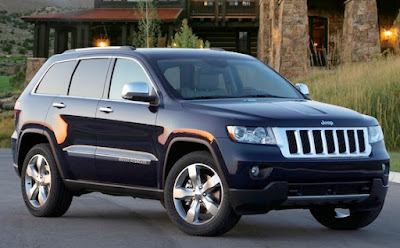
357, 144
312, 142
346, 142
324, 143
335, 142
342, 142
298, 141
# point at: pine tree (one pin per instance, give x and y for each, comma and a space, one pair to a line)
148, 30
185, 38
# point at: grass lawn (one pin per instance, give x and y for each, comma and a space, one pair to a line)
395, 161
4, 84
12, 58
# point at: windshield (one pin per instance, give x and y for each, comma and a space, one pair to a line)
205, 78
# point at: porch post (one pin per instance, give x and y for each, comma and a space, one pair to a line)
360, 31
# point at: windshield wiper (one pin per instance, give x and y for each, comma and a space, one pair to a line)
262, 96
208, 97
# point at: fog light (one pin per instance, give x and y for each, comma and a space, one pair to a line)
385, 169
255, 171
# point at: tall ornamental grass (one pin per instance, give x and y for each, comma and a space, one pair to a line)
371, 88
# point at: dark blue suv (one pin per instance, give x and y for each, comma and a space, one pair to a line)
213, 135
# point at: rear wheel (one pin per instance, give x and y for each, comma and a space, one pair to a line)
196, 198
43, 190
350, 220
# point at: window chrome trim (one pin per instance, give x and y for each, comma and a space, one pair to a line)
156, 90
33, 92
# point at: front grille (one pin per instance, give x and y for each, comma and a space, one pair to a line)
329, 189
324, 142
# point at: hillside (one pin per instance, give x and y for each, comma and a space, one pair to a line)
26, 5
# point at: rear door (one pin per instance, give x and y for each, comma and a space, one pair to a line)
72, 117
126, 152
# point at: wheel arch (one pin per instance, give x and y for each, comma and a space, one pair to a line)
189, 145
31, 137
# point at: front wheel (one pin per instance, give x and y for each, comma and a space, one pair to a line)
196, 199
352, 220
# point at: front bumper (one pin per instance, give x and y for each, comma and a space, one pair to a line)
280, 195
301, 183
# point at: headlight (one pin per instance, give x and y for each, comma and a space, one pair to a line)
252, 135
375, 134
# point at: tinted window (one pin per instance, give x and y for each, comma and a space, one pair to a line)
89, 78
224, 78
125, 71
57, 78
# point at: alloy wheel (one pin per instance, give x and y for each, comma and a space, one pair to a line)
198, 194
38, 181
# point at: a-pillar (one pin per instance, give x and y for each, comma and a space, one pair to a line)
283, 40
360, 31
41, 40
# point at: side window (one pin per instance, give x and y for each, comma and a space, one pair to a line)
57, 78
173, 75
125, 71
89, 78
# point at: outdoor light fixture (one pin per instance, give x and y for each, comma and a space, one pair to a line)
102, 43
388, 33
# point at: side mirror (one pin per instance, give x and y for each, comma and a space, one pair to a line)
303, 89
138, 91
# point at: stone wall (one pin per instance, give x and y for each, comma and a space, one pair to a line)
32, 67
284, 36
360, 31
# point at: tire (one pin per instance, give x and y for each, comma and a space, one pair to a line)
332, 219
208, 203
42, 184
162, 202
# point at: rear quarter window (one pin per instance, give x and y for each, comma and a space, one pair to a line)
56, 80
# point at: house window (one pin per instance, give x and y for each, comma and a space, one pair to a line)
243, 42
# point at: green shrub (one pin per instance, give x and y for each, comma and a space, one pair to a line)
21, 50
7, 48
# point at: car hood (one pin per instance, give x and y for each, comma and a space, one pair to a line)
281, 112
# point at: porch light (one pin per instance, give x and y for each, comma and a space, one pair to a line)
102, 43
388, 33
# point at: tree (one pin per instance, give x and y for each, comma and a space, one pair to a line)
185, 38
148, 30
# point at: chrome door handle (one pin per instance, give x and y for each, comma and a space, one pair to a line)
59, 105
106, 110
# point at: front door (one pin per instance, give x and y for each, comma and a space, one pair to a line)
126, 134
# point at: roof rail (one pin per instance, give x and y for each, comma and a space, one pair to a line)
101, 48
217, 49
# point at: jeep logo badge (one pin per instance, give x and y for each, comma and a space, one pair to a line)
327, 123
